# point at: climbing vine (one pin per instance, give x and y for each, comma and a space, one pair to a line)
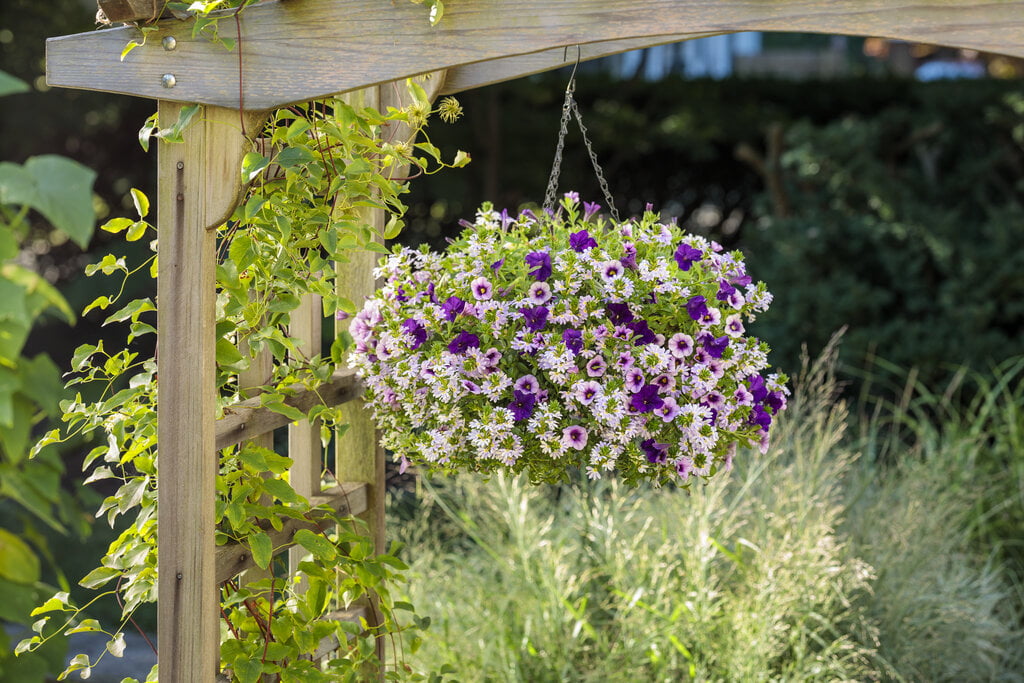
317, 170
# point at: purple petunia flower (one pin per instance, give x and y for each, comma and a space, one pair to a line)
669, 409
743, 397
680, 345
647, 399
624, 361
471, 387
683, 468
734, 325
587, 392
589, 209
742, 280
715, 346
657, 453
725, 290
497, 265
629, 256
596, 367
492, 356
642, 333
757, 388
776, 400
414, 328
506, 220
452, 307
581, 241
540, 293
540, 262
464, 341
536, 318
527, 384
572, 196
573, 340
761, 417
482, 289
634, 379
686, 256
611, 270
712, 316
697, 307
665, 382
714, 400
574, 437
522, 405
618, 314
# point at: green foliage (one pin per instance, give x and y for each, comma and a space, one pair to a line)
30, 387
904, 225
304, 211
810, 563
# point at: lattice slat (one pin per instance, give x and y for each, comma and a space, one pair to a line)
345, 499
247, 419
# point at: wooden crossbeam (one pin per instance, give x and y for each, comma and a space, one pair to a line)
345, 499
355, 614
302, 49
247, 419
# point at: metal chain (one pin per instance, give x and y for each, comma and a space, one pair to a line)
556, 167
569, 107
597, 167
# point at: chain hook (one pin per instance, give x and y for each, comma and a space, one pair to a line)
571, 86
569, 109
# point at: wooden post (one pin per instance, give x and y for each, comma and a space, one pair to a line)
358, 458
304, 437
199, 184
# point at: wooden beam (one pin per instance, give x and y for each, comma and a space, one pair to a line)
247, 419
345, 499
118, 11
198, 188
479, 74
302, 49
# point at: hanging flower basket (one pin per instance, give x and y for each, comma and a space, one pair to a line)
558, 341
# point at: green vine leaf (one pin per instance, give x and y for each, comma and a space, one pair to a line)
262, 549
99, 577
320, 547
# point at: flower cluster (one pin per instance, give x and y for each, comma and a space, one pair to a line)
540, 343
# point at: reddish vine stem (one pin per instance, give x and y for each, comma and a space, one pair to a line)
270, 618
231, 626
241, 93
131, 620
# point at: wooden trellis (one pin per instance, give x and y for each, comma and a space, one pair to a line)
297, 50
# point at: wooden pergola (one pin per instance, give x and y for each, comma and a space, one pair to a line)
296, 50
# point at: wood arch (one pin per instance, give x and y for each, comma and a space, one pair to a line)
297, 50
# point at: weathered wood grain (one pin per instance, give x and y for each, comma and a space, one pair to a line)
304, 437
198, 186
357, 456
479, 74
345, 499
355, 614
115, 11
247, 419
300, 49
250, 381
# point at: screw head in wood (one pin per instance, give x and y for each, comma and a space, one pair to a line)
169, 43
168, 81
